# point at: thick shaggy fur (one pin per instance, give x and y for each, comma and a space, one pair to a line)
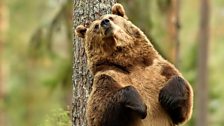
119, 50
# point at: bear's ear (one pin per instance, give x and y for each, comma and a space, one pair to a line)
81, 31
118, 9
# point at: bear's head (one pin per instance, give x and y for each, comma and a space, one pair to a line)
114, 40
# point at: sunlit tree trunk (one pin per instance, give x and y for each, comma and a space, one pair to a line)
3, 28
84, 11
173, 27
202, 85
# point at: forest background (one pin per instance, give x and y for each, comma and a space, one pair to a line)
36, 55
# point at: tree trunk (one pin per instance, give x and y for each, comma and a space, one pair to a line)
173, 24
202, 86
84, 11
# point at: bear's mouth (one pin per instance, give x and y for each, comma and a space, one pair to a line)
107, 32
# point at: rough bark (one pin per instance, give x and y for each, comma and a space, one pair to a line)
84, 11
202, 85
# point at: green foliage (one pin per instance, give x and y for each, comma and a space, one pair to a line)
38, 53
57, 117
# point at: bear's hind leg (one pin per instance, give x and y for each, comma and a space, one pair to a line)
175, 99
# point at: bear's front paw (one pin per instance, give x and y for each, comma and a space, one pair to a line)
174, 98
133, 101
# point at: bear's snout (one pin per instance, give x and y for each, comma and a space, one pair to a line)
105, 23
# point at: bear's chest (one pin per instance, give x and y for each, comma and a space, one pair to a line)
148, 81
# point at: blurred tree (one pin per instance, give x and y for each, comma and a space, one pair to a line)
3, 28
84, 11
202, 86
171, 10
173, 27
43, 42
49, 61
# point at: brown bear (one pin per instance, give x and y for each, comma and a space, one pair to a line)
129, 74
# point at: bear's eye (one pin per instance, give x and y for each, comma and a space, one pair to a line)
111, 18
96, 26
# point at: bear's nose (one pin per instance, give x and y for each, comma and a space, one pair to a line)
105, 22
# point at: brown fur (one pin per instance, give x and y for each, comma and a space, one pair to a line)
107, 100
124, 53
168, 71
